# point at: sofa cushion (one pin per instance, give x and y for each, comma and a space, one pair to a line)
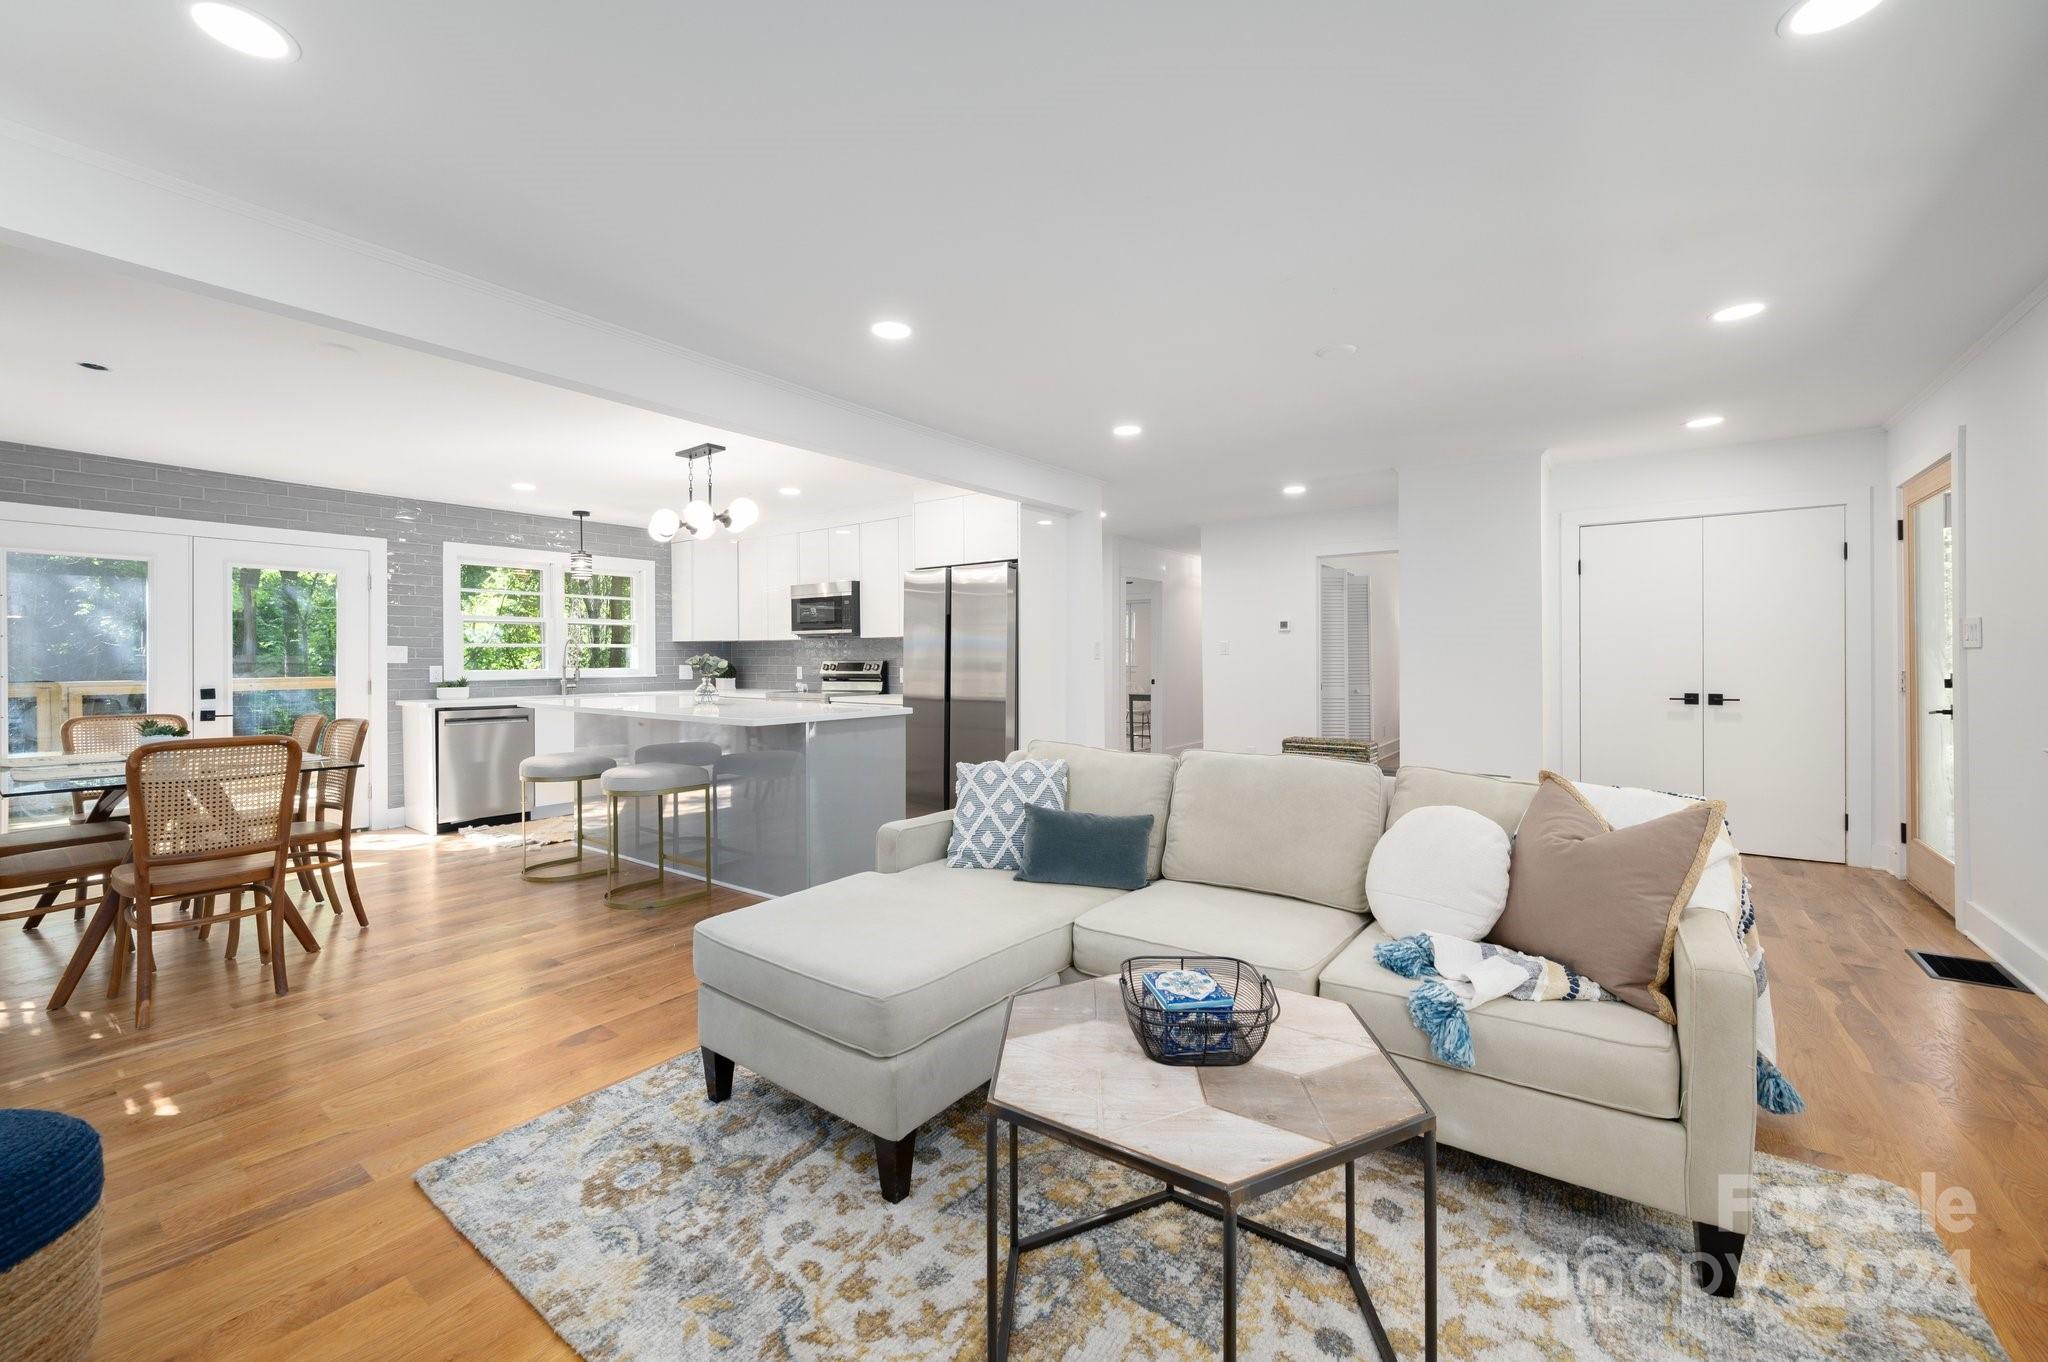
1102, 781
1609, 1054
989, 800
1301, 827
884, 962
1290, 941
1501, 799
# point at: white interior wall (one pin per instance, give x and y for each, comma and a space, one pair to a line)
1993, 414
1383, 571
1473, 683
1259, 684
1177, 719
1846, 469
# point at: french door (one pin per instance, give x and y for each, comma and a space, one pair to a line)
1930, 686
1713, 661
234, 636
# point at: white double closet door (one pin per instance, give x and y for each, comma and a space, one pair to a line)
1713, 661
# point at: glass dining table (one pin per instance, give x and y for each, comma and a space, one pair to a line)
41, 774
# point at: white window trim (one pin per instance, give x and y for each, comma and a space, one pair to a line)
554, 613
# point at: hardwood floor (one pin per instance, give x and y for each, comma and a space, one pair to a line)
260, 1151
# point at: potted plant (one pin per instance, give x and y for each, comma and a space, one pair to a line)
454, 688
713, 674
156, 728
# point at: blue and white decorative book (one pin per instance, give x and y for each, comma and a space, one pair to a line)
1187, 990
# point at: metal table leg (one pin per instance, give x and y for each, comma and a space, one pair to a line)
1429, 1246
1230, 1283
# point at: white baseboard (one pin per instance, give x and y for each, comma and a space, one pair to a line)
2005, 945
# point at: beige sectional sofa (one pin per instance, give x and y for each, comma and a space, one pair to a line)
881, 997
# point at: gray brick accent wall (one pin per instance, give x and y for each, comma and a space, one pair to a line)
414, 532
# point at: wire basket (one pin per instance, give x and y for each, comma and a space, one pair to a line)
1200, 1038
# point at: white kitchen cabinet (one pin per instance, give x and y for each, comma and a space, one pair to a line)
715, 590
881, 578
681, 627
785, 570
842, 553
937, 530
757, 620
812, 561
988, 528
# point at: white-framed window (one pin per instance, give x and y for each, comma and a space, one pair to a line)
510, 612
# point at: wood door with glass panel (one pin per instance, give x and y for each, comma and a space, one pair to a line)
1930, 685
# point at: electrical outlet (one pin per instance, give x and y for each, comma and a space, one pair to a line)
434, 674
682, 671
1973, 631
1223, 647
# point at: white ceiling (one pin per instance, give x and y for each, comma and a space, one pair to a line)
1156, 210
209, 384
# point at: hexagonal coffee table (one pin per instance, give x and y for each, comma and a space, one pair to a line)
1321, 1093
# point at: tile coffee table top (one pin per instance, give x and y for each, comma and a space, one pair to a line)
1321, 1081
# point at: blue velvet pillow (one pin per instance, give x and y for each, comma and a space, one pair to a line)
1085, 848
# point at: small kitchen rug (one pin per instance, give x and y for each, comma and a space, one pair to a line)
541, 832
647, 1225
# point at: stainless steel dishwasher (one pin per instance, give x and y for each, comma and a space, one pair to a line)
476, 756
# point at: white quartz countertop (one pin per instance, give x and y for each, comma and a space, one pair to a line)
684, 707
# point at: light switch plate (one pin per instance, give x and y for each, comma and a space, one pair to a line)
1973, 631
434, 674
1223, 647
394, 653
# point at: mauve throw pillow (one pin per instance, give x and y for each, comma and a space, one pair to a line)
1603, 900
1107, 850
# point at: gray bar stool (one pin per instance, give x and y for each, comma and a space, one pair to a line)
661, 779
558, 768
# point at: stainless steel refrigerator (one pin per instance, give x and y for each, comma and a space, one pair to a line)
959, 674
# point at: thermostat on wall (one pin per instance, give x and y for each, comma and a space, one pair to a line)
1285, 627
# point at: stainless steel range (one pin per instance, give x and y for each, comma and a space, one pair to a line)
844, 681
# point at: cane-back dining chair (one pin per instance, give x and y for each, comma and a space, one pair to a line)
323, 835
211, 816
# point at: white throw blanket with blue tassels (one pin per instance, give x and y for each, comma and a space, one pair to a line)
1458, 975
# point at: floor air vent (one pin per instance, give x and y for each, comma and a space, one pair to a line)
1963, 969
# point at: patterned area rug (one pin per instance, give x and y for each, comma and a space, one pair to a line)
645, 1223
541, 832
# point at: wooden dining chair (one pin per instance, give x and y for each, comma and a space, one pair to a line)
306, 733
113, 735
323, 835
211, 817
43, 873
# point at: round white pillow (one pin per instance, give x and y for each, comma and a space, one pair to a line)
1440, 868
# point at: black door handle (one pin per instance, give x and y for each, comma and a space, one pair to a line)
1715, 697
1691, 697
1949, 711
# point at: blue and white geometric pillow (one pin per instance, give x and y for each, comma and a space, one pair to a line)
989, 799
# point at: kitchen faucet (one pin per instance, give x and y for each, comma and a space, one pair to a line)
572, 661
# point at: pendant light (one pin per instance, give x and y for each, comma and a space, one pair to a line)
698, 518
582, 567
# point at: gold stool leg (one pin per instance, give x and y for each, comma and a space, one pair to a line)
658, 882
529, 869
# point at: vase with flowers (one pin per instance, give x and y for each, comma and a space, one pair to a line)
708, 668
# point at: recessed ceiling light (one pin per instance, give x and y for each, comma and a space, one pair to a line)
246, 31
1809, 17
522, 487
1127, 430
1045, 522
88, 364
791, 491
1336, 351
1293, 489
891, 330
1105, 515
1739, 312
1704, 422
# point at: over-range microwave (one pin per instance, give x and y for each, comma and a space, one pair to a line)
824, 608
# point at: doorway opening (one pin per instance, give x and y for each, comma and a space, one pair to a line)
1358, 650
1144, 598
1930, 676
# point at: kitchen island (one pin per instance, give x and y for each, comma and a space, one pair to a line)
801, 786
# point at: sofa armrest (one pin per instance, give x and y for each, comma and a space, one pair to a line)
1715, 996
912, 841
